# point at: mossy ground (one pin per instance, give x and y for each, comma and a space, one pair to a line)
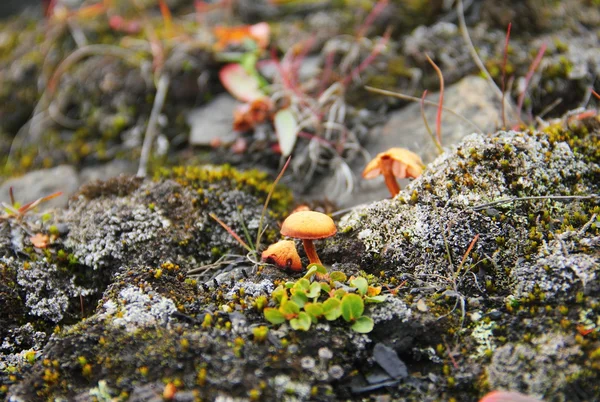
522, 300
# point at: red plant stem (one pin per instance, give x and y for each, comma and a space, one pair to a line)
299, 58
327, 71
596, 94
167, 17
310, 136
375, 11
311, 253
438, 119
532, 68
366, 62
504, 60
388, 175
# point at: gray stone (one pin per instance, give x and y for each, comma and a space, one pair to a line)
41, 183
106, 171
213, 121
388, 359
471, 97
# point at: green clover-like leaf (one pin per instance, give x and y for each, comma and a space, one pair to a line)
311, 270
375, 299
289, 309
363, 325
338, 276
352, 307
339, 293
278, 294
360, 284
314, 310
302, 284
302, 322
299, 297
274, 316
314, 290
332, 309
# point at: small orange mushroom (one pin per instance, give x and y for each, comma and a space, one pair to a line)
309, 226
283, 254
395, 162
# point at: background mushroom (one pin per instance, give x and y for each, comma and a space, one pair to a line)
283, 254
309, 226
394, 163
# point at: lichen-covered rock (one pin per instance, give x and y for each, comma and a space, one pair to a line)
499, 240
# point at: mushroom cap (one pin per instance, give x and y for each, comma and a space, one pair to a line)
283, 254
308, 225
405, 163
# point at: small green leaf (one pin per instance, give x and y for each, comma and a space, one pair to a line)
289, 309
311, 270
299, 297
273, 315
339, 293
325, 287
314, 309
289, 284
278, 294
320, 269
338, 276
302, 322
375, 299
286, 128
363, 325
352, 307
302, 284
332, 309
360, 284
314, 291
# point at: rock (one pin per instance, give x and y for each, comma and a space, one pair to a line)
528, 263
471, 98
213, 121
388, 359
107, 171
41, 183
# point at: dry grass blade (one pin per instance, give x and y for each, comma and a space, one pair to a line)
264, 210
438, 119
231, 232
425, 102
504, 60
534, 65
469, 249
422, 103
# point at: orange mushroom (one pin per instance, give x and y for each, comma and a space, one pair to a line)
395, 162
309, 226
283, 254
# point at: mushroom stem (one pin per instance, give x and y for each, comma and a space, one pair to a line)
311, 253
388, 175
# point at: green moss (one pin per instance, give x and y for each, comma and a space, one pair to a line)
216, 179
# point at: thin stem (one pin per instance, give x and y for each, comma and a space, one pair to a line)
504, 60
437, 144
425, 102
541, 197
465, 34
438, 119
259, 233
161, 93
311, 253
